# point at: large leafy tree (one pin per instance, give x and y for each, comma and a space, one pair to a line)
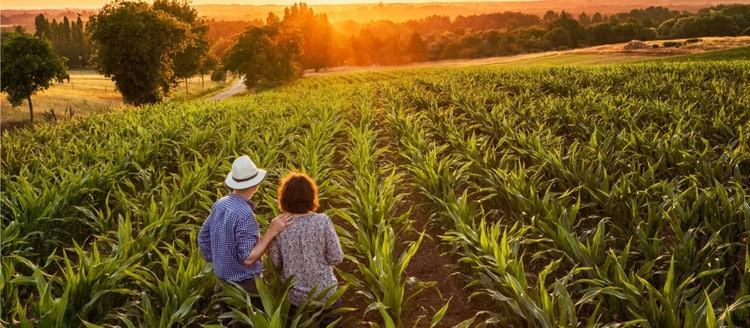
29, 64
135, 45
188, 62
265, 55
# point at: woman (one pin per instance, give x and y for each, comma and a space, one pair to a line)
309, 248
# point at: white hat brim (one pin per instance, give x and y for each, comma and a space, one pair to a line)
234, 184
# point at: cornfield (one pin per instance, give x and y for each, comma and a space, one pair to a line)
568, 196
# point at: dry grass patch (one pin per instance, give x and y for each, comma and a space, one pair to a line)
86, 93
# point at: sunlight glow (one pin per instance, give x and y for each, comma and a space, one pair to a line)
95, 4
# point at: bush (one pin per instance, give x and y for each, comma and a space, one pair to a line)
219, 76
672, 44
695, 40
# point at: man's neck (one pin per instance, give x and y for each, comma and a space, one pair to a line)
246, 193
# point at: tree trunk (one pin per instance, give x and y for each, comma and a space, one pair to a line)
186, 86
31, 110
203, 86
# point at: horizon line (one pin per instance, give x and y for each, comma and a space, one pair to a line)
292, 2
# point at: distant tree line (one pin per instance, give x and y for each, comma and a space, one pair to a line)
167, 42
497, 34
68, 38
501, 34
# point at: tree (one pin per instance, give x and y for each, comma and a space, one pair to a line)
208, 63
188, 61
550, 17
68, 38
559, 38
317, 35
42, 26
264, 55
573, 28
417, 48
600, 33
134, 45
584, 19
597, 18
29, 64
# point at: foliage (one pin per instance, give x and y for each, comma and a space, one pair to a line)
317, 36
264, 55
29, 64
219, 76
195, 56
135, 45
719, 21
67, 37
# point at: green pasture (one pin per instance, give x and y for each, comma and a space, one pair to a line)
564, 196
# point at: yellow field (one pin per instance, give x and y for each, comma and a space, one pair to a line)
88, 92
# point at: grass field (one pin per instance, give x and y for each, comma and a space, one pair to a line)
88, 93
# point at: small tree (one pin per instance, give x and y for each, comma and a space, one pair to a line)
208, 64
29, 64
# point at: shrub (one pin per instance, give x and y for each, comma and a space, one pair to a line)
219, 76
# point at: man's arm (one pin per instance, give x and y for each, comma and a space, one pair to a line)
204, 241
277, 226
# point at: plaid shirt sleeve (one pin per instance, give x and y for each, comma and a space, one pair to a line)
247, 234
204, 239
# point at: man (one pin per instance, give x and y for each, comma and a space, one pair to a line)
230, 236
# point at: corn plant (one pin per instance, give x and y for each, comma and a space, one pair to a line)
274, 313
372, 202
176, 285
49, 309
383, 284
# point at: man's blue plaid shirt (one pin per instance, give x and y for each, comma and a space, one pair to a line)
228, 235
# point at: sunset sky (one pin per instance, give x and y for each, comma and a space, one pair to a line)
56, 4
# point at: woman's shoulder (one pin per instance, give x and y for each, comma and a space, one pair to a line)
320, 215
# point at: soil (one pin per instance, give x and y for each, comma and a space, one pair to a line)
431, 263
